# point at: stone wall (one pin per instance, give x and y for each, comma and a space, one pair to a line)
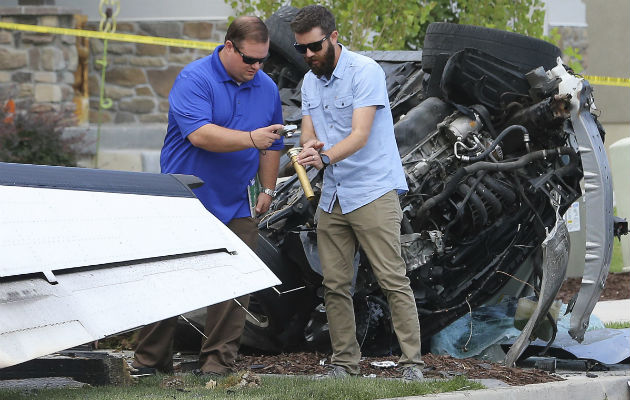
577, 37
138, 76
37, 70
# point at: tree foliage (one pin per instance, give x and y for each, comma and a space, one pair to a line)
374, 24
402, 24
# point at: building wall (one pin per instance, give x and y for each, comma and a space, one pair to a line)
138, 77
37, 70
151, 10
564, 13
609, 55
43, 72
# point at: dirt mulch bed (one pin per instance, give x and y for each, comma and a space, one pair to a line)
617, 287
436, 367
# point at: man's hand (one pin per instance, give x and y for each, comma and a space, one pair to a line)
310, 154
263, 138
263, 203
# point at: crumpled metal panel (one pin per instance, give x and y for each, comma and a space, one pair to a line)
555, 248
608, 346
598, 198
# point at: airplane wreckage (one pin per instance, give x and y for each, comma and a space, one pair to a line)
90, 253
495, 135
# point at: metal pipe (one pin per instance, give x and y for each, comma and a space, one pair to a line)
301, 173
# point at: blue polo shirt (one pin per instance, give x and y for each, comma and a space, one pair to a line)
203, 93
375, 169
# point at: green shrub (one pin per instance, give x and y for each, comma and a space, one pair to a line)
37, 138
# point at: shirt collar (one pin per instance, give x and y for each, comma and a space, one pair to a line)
222, 74
342, 63
340, 68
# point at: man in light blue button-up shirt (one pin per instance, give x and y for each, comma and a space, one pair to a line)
371, 166
347, 129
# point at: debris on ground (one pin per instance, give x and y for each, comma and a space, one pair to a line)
241, 379
436, 367
172, 382
211, 384
383, 364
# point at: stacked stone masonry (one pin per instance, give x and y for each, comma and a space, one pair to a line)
37, 70
576, 37
139, 76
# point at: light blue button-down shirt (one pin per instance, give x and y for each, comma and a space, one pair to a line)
375, 169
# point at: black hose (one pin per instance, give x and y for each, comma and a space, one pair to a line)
449, 188
476, 203
521, 162
405, 225
554, 329
496, 141
494, 204
460, 207
461, 173
525, 199
505, 193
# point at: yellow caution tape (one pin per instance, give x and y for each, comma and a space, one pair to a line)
121, 37
162, 41
608, 81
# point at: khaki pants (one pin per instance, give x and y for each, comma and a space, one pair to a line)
376, 227
224, 325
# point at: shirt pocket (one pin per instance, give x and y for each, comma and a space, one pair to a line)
343, 110
311, 103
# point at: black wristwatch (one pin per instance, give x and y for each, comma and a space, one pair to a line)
325, 160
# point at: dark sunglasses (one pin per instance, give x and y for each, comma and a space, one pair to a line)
250, 60
314, 46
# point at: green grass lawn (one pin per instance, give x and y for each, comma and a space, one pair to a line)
616, 262
617, 325
281, 388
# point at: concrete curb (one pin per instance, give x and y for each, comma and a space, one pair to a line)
574, 388
613, 310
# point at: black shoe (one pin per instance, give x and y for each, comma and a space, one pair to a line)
135, 371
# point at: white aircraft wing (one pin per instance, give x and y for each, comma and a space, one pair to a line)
90, 253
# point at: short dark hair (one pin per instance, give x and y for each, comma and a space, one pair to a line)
247, 28
314, 16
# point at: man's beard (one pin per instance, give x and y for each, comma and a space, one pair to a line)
326, 65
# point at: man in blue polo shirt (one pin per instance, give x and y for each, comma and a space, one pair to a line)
346, 115
223, 117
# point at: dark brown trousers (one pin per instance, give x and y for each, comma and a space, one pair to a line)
224, 325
